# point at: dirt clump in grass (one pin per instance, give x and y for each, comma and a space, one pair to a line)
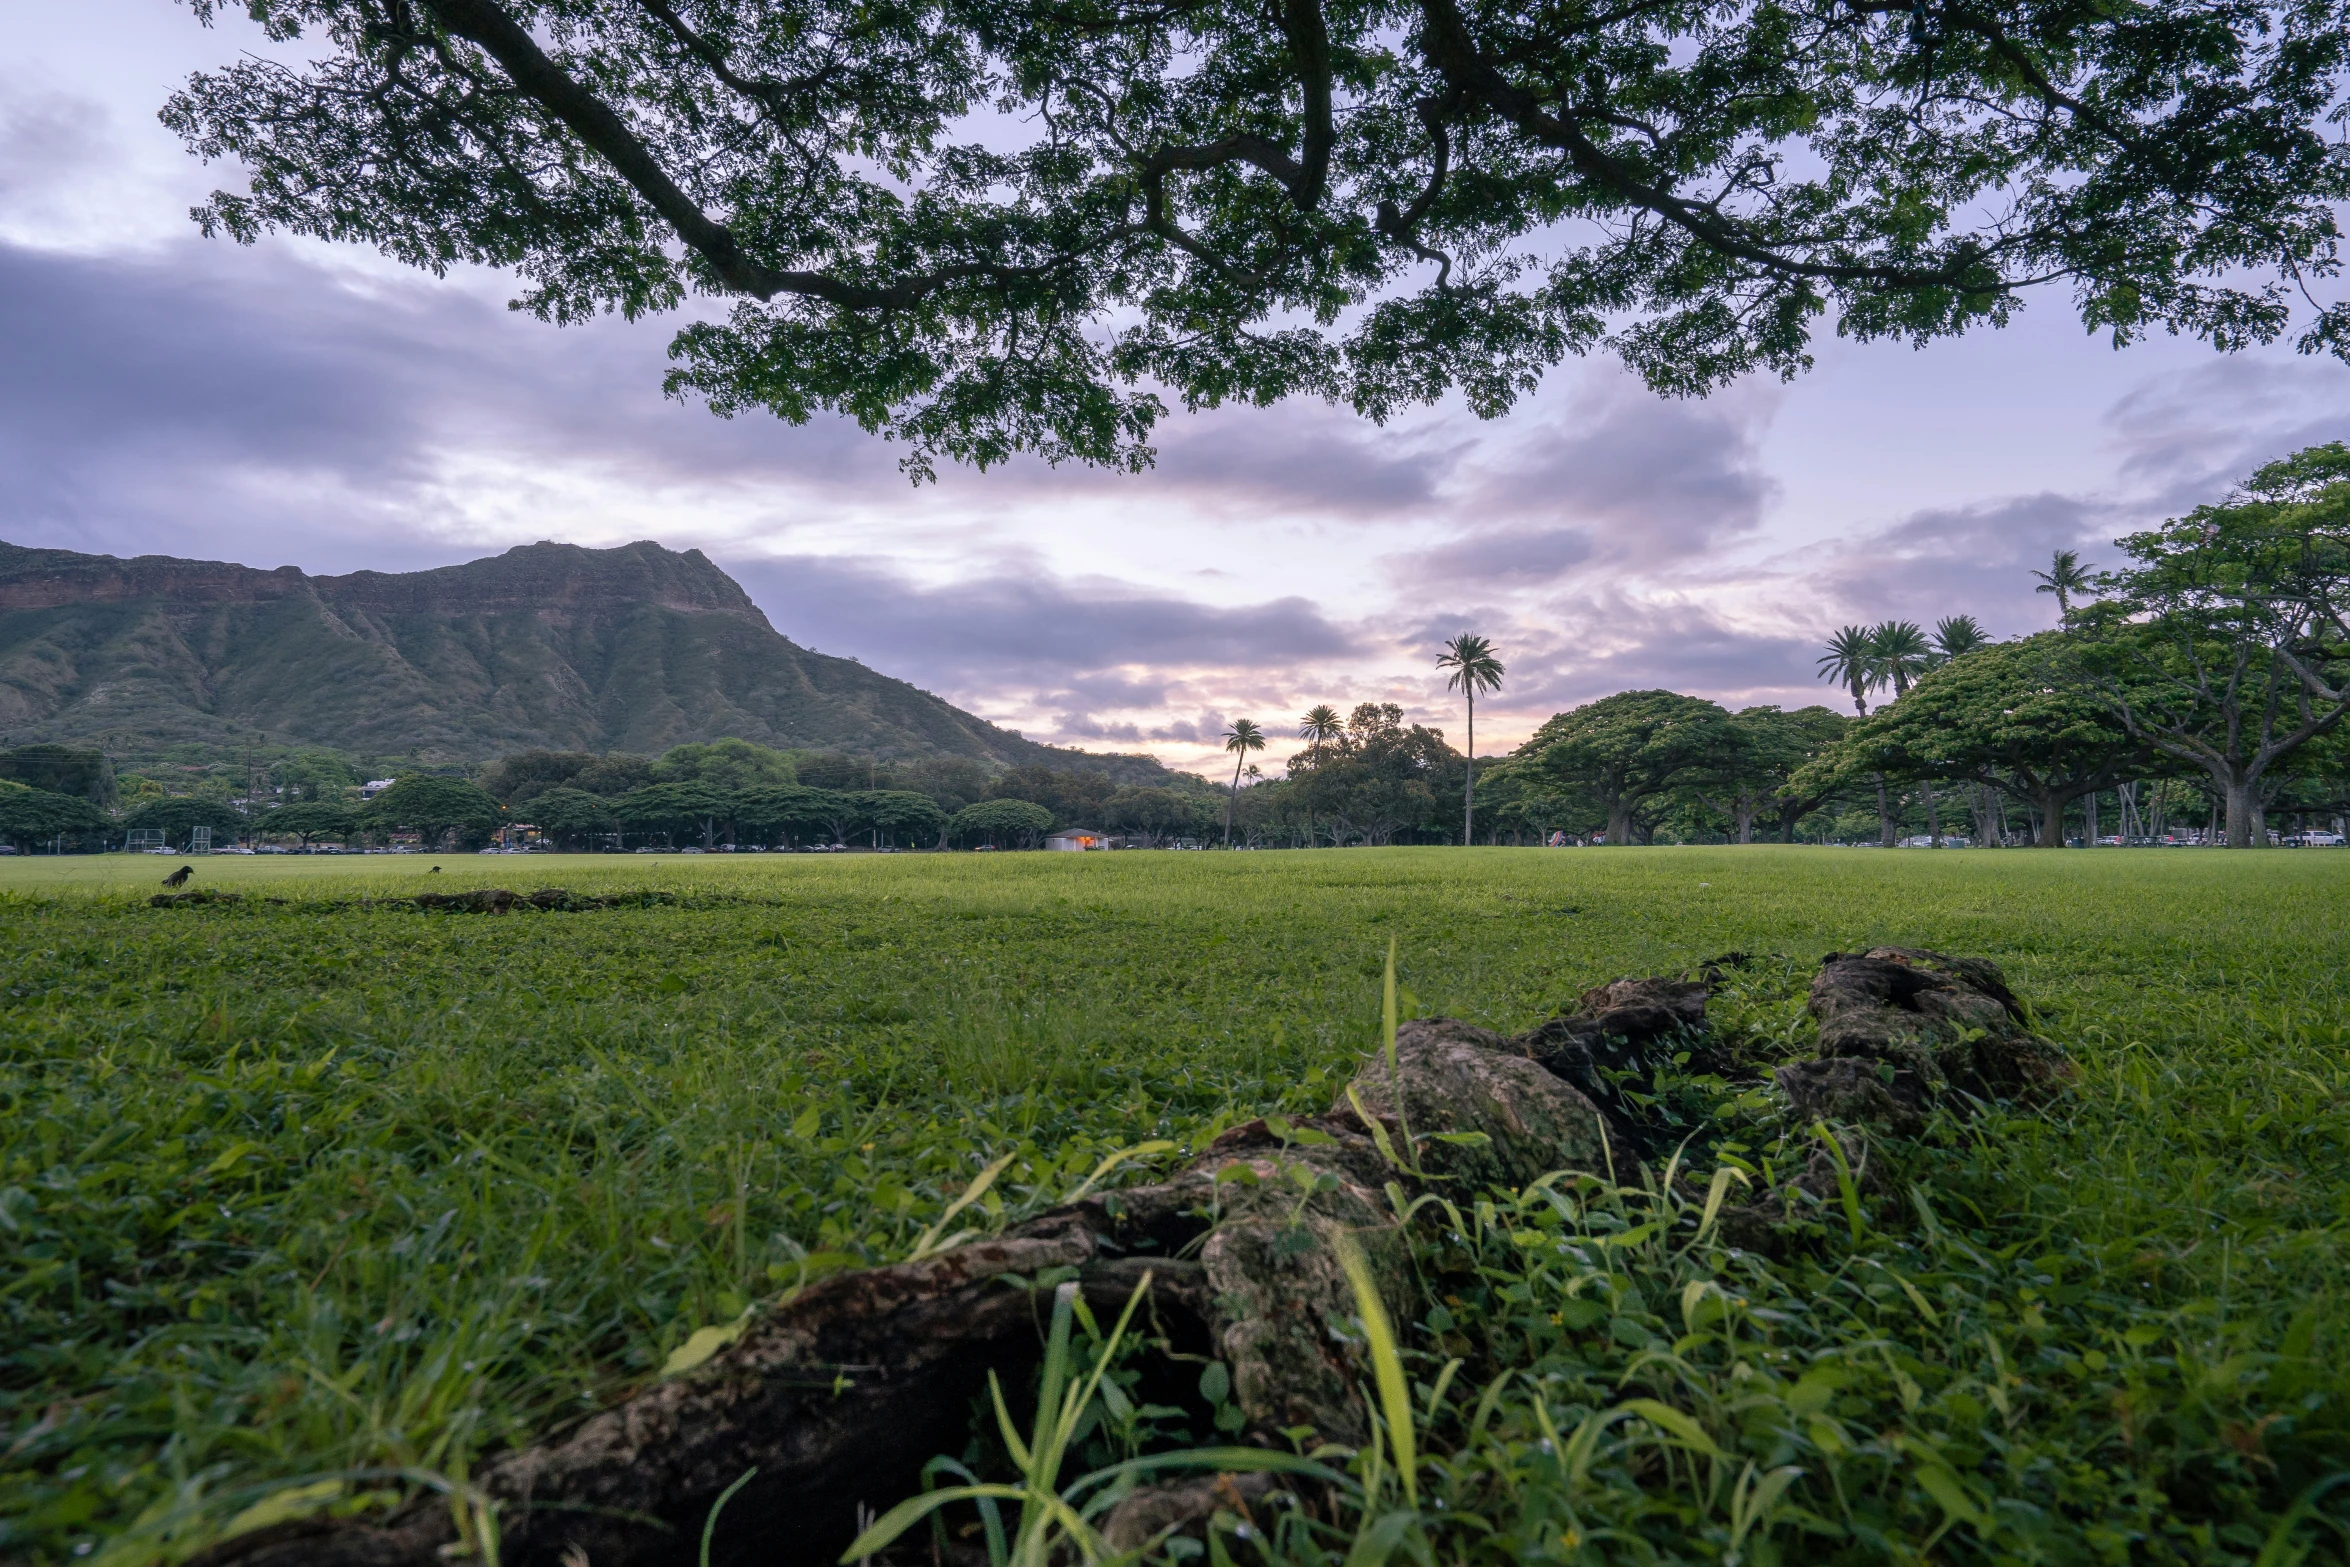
202, 895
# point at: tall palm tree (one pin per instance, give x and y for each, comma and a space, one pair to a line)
1902, 653
1955, 636
1319, 726
2064, 577
1851, 661
1243, 737
1474, 669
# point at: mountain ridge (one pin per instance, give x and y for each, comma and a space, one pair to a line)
555, 646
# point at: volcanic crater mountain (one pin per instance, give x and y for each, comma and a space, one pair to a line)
630, 649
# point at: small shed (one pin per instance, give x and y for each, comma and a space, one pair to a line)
1077, 838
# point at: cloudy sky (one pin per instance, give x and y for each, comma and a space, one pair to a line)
300, 404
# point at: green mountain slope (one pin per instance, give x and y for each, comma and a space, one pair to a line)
631, 649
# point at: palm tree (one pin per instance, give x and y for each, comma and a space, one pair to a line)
2064, 577
1902, 653
1320, 725
1474, 669
1243, 737
1317, 728
1955, 636
1851, 661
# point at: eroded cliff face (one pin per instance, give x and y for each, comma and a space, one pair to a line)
636, 648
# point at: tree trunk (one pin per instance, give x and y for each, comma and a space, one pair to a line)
1469, 781
2051, 811
1933, 816
1746, 818
2089, 820
1884, 816
1619, 821
2243, 798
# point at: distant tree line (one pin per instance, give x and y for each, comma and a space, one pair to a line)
2203, 685
727, 792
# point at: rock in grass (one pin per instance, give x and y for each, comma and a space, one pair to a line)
487, 900
1620, 1028
1937, 1021
1460, 1080
1846, 1088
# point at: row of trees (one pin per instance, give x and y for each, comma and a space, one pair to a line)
2208, 676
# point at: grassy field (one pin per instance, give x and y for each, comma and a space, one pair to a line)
294, 1188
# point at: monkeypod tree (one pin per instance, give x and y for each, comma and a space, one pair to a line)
1627, 749
30, 817
675, 810
1019, 823
2225, 645
2003, 716
892, 814
310, 820
435, 807
1374, 203
1752, 777
569, 816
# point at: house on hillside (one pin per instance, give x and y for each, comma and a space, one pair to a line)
1076, 838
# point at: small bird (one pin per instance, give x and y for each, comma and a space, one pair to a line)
435, 871
179, 878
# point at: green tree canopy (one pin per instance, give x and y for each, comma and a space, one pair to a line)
310, 820
1374, 204
770, 809
1631, 748
1156, 815
31, 817
675, 809
2225, 645
725, 764
434, 807
524, 775
1517, 793
1018, 823
1380, 779
568, 815
900, 813
61, 769
2002, 716
314, 775
1752, 777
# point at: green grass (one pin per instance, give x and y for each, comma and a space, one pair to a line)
287, 1189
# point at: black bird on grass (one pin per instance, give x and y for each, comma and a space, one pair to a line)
179, 878
435, 871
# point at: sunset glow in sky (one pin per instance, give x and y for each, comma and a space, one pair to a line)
300, 404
